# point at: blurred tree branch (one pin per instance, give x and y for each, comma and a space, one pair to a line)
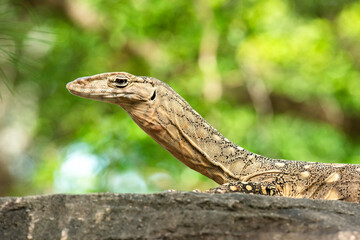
314, 109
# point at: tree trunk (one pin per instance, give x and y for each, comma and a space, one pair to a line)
176, 216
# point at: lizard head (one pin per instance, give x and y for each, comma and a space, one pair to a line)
120, 88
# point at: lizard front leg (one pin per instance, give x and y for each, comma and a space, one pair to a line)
262, 188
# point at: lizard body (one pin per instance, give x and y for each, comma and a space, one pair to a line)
174, 124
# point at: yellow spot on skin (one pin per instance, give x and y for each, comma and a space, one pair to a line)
334, 177
332, 195
338, 165
233, 188
307, 166
358, 169
278, 164
250, 157
305, 174
216, 138
263, 189
299, 190
248, 187
286, 190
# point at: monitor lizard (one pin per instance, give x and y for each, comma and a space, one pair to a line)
175, 125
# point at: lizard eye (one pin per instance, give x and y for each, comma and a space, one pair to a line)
121, 82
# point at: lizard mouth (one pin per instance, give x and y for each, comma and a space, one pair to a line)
96, 89
89, 88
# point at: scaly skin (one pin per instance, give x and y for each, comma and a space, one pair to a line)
175, 125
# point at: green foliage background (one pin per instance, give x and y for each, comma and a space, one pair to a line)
278, 77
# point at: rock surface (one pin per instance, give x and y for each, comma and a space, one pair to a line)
176, 216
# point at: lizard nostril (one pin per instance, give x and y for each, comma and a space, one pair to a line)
153, 96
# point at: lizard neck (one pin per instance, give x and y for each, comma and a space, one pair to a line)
176, 126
